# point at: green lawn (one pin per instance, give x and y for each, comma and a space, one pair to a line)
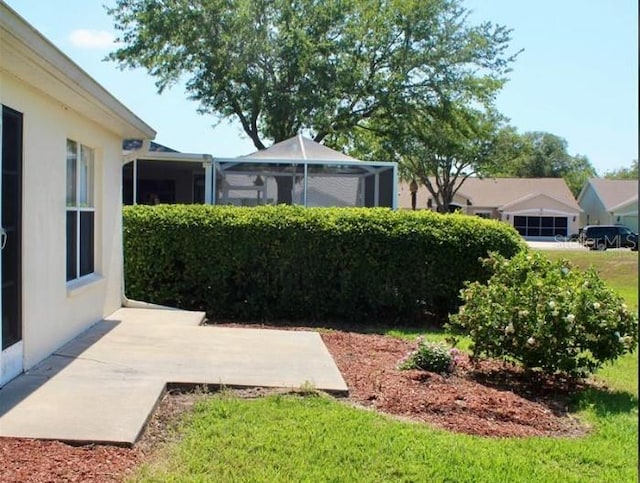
288, 438
619, 268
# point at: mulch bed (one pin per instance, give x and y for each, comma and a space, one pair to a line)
488, 398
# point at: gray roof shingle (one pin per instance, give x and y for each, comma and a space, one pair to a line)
614, 192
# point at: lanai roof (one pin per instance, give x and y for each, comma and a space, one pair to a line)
300, 147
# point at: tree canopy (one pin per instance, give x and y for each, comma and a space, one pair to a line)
624, 173
439, 147
544, 155
322, 67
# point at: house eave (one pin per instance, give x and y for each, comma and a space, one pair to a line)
144, 155
28, 56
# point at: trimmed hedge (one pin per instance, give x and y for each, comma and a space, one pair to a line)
289, 262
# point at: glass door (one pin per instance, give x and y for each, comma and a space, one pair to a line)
10, 243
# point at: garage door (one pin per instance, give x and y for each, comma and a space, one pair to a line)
541, 225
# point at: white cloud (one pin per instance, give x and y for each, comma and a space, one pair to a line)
91, 39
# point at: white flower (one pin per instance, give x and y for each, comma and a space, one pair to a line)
570, 318
552, 304
531, 341
523, 313
555, 313
509, 329
596, 305
565, 270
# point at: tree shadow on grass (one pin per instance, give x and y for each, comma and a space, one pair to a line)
561, 395
604, 401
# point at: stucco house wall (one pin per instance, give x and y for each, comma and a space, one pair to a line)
610, 201
626, 213
54, 312
594, 212
59, 102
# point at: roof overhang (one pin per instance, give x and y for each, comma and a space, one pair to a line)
628, 203
145, 155
513, 204
30, 57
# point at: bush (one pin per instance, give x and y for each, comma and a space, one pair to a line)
432, 357
295, 263
546, 315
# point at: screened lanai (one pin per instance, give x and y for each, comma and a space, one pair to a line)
303, 172
297, 171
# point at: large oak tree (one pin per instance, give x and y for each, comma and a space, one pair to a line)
322, 67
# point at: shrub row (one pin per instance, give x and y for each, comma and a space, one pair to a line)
294, 263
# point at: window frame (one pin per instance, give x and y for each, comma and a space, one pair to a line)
80, 199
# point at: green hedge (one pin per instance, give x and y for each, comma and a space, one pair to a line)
294, 263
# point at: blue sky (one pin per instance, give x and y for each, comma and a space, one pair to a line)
577, 76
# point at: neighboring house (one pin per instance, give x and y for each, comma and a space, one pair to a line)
536, 207
609, 202
60, 196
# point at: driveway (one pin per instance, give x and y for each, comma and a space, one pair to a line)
555, 245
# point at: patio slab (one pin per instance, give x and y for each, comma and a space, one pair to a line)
103, 386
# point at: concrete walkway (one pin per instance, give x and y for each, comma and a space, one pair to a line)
103, 386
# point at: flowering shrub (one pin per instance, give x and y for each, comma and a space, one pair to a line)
545, 315
432, 357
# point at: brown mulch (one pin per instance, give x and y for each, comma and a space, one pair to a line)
488, 398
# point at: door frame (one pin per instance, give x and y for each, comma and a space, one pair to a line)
12, 358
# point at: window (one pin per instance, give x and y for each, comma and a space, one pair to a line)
80, 210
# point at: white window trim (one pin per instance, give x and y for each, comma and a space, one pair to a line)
85, 279
80, 285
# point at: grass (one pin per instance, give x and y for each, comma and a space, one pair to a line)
290, 438
619, 268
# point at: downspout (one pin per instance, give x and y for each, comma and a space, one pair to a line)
124, 300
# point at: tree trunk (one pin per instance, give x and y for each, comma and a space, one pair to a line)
285, 189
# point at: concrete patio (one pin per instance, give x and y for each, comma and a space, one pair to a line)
103, 386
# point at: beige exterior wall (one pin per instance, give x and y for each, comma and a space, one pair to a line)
53, 313
627, 215
594, 212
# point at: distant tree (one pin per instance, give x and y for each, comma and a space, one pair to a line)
443, 151
624, 173
544, 155
282, 67
439, 148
